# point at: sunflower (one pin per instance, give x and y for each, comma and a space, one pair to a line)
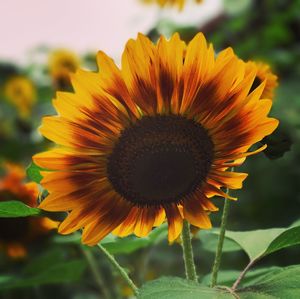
21, 92
16, 233
151, 141
61, 63
163, 3
264, 73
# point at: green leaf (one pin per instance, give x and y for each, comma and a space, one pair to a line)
283, 283
255, 242
13, 208
125, 245
228, 277
130, 244
178, 288
288, 238
67, 239
259, 243
209, 242
33, 172
44, 261
58, 273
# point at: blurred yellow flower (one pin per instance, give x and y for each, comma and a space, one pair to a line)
17, 233
162, 3
263, 73
21, 92
61, 63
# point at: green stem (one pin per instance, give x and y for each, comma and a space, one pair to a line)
92, 263
121, 270
218, 256
190, 269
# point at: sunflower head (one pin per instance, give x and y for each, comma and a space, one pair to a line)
264, 73
152, 140
61, 64
21, 92
162, 3
16, 233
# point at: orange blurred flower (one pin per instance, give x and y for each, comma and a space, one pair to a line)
17, 233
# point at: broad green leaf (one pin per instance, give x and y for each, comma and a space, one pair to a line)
130, 244
296, 223
260, 243
255, 242
209, 242
228, 277
288, 238
14, 208
125, 245
178, 288
58, 273
280, 284
33, 172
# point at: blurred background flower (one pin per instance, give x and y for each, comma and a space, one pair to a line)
61, 63
16, 234
21, 92
162, 3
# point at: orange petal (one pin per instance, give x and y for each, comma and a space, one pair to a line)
160, 217
139, 74
195, 214
232, 180
94, 232
145, 221
127, 226
175, 222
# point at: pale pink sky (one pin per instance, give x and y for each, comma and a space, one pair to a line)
83, 25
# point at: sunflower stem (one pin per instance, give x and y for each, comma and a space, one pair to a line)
218, 256
92, 263
190, 269
120, 269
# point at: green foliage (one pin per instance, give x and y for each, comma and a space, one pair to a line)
228, 277
256, 243
62, 272
130, 244
48, 268
34, 173
264, 283
14, 208
234, 7
279, 284
116, 245
178, 288
209, 241
259, 243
